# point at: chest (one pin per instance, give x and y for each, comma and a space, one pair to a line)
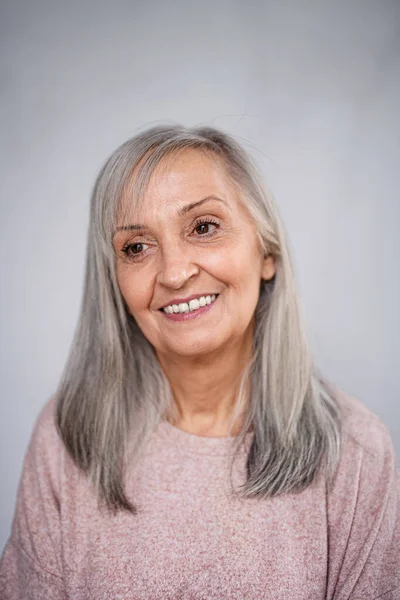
193, 538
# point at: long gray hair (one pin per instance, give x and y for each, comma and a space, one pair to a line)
113, 392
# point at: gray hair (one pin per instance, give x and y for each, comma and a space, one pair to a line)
113, 392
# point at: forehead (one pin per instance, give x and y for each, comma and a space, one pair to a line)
179, 179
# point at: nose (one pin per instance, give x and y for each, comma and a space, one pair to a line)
176, 265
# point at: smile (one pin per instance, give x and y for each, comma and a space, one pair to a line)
189, 310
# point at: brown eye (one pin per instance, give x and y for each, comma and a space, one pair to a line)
131, 250
203, 227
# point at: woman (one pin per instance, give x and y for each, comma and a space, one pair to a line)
191, 449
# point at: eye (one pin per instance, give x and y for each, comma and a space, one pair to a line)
131, 250
136, 250
203, 225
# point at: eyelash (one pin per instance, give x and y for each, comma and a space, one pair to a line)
201, 221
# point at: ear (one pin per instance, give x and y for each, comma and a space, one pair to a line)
268, 267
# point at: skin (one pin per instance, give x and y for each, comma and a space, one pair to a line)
176, 257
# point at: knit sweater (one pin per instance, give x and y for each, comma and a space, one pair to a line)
192, 538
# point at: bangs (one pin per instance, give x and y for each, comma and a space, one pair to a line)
129, 201
122, 183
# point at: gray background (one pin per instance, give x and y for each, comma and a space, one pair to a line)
312, 89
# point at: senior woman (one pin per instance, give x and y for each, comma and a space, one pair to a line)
191, 449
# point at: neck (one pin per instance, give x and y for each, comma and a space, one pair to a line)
205, 390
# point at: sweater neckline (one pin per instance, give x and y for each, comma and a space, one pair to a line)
200, 444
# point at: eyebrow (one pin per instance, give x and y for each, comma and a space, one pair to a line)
181, 212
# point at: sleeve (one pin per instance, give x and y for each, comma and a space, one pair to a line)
364, 525
30, 566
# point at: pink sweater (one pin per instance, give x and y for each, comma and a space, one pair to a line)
192, 539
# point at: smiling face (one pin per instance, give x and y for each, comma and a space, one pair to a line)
195, 238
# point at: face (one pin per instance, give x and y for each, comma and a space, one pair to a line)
192, 237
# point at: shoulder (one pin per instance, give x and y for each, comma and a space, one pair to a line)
362, 429
368, 464
44, 430
46, 452
35, 531
363, 505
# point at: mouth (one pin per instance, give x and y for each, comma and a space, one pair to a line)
188, 310
190, 305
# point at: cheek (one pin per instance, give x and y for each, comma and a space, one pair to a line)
243, 275
224, 264
133, 291
239, 269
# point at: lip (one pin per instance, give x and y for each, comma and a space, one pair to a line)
190, 316
187, 299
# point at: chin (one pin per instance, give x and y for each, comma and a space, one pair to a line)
195, 349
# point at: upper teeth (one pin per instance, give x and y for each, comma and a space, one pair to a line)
189, 306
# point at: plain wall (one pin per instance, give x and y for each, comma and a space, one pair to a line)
312, 89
